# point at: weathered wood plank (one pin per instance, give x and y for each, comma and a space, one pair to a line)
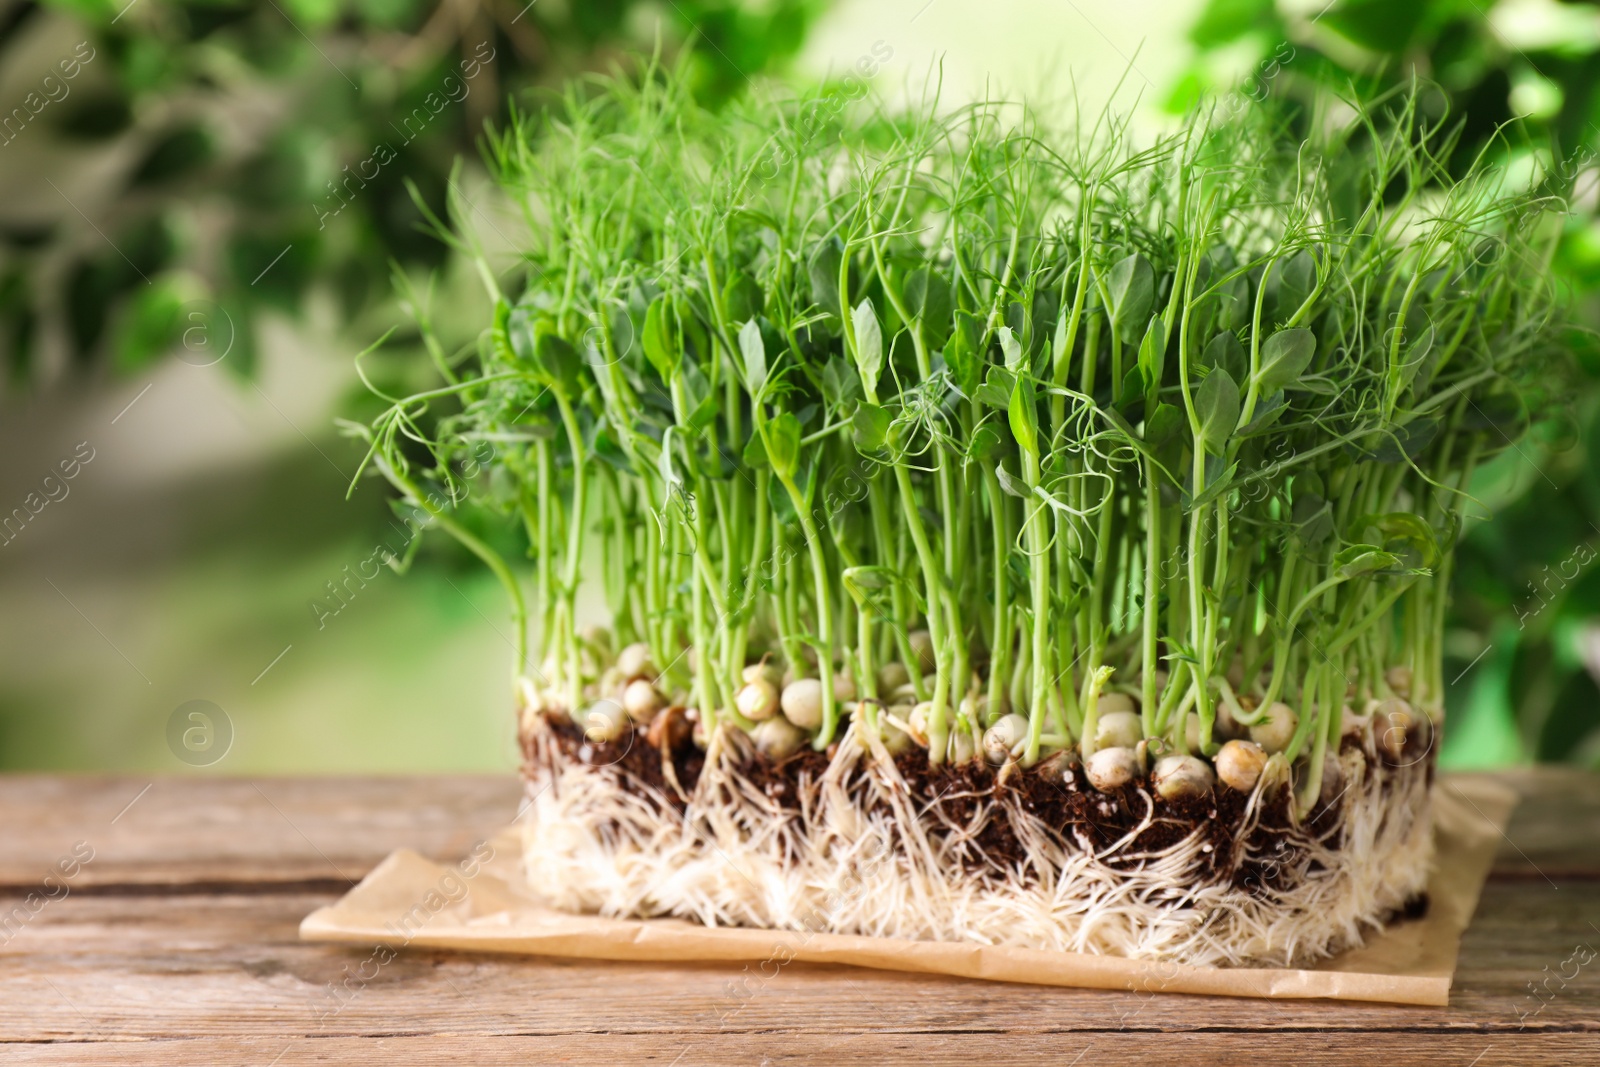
178, 945
1399, 1049
112, 967
1555, 832
176, 831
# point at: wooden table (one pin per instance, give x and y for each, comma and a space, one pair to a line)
176, 944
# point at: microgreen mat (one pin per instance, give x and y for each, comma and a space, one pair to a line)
1031, 409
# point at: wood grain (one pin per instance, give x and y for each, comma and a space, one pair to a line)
177, 944
779, 1050
241, 831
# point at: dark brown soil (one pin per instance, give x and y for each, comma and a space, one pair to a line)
953, 800
634, 758
1061, 797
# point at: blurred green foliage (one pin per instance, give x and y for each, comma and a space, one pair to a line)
1521, 646
274, 146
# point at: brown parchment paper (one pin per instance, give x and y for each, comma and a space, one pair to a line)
409, 900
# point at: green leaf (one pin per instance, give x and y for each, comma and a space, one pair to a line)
822, 267
1401, 530
696, 389
1309, 483
1132, 289
1297, 277
1219, 483
669, 472
501, 333
1011, 347
870, 428
986, 443
1225, 351
1010, 484
755, 453
557, 360
869, 345
783, 444
867, 584
1153, 353
314, 14
1401, 443
705, 412
1023, 416
840, 384
1132, 392
996, 389
1503, 413
1415, 358
695, 343
1233, 304
521, 321
1163, 425
742, 298
1268, 410
961, 354
661, 346
1017, 319
1284, 358
1312, 517
152, 324
1380, 26
927, 296
1353, 561
1225, 21
1058, 343
754, 349
1216, 404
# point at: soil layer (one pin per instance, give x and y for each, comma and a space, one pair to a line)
954, 800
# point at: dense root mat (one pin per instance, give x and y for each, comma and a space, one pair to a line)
856, 841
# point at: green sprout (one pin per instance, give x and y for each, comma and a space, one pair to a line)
976, 418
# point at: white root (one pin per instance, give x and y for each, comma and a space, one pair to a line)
857, 851
894, 739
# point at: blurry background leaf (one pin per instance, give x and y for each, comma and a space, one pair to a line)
273, 142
